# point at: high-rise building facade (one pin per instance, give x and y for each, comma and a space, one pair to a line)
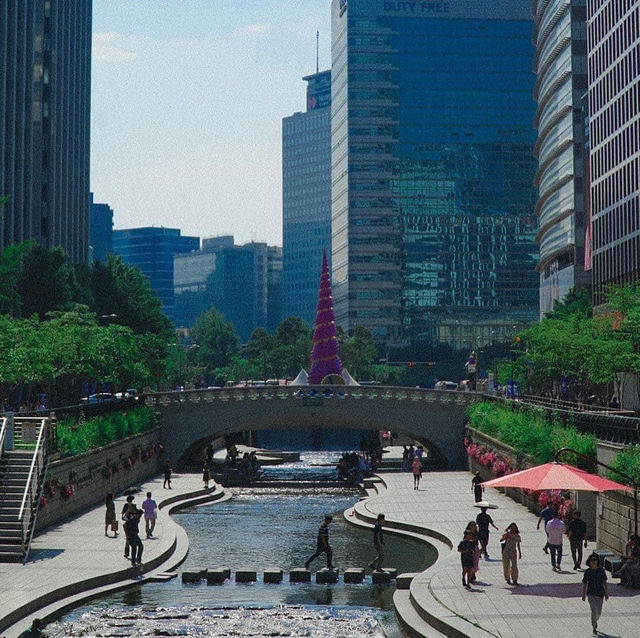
152, 250
45, 86
306, 197
614, 126
560, 36
433, 221
100, 230
242, 282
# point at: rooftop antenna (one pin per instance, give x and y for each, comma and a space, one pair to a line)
317, 51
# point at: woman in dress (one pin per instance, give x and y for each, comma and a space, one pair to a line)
511, 551
110, 515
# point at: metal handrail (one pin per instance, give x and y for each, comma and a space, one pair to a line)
3, 432
36, 454
579, 406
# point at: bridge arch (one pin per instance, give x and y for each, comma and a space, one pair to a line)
433, 416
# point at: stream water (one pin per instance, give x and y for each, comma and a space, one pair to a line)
262, 527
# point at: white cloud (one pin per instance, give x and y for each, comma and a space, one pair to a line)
106, 53
253, 29
109, 36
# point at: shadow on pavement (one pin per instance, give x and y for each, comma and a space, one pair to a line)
43, 554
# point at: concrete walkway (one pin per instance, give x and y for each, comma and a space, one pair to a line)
75, 556
544, 604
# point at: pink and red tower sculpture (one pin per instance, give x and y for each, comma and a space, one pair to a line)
325, 353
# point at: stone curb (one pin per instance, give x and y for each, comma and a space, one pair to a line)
49, 606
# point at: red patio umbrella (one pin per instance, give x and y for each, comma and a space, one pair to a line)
556, 476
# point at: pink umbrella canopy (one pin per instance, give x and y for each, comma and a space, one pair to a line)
556, 476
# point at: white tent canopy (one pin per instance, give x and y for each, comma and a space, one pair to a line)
349, 380
301, 379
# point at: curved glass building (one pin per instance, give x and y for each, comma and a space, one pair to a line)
561, 68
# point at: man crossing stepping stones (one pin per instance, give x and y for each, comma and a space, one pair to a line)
323, 546
378, 542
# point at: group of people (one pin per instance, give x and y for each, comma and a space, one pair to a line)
476, 538
353, 467
131, 516
323, 546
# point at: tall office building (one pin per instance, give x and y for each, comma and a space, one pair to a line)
560, 36
45, 85
100, 230
242, 282
306, 197
152, 250
614, 127
433, 222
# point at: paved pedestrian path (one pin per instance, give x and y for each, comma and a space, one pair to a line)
544, 604
65, 557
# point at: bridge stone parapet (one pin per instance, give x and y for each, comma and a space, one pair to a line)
192, 417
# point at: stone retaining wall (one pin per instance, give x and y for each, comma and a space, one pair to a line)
88, 474
615, 521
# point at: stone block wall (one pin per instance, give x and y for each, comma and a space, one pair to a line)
90, 476
615, 521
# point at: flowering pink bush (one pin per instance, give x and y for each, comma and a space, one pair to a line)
499, 467
43, 503
68, 491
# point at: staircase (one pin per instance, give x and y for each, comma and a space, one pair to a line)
22, 473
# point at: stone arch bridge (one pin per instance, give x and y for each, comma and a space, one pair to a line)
194, 417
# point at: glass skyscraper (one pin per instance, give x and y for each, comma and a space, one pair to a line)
306, 198
433, 222
560, 35
152, 249
614, 126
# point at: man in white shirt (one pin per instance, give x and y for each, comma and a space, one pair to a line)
555, 531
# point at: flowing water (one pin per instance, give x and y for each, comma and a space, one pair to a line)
262, 527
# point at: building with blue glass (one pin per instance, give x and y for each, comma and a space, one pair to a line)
306, 198
100, 230
152, 250
433, 222
560, 36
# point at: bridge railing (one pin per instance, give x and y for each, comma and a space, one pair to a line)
311, 393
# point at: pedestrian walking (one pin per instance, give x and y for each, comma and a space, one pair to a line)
150, 509
123, 515
555, 531
594, 589
132, 531
511, 551
416, 468
110, 520
545, 515
472, 527
577, 533
209, 456
465, 547
405, 458
206, 476
378, 542
168, 471
484, 520
476, 487
323, 546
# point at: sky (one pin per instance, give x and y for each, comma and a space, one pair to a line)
188, 98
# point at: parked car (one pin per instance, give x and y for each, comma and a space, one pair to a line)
446, 385
100, 397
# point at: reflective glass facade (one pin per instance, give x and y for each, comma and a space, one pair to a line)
152, 249
306, 198
433, 200
560, 35
614, 126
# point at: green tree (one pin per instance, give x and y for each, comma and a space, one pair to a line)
10, 261
291, 329
215, 340
359, 353
122, 290
46, 281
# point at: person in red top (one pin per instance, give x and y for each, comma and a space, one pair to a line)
416, 468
